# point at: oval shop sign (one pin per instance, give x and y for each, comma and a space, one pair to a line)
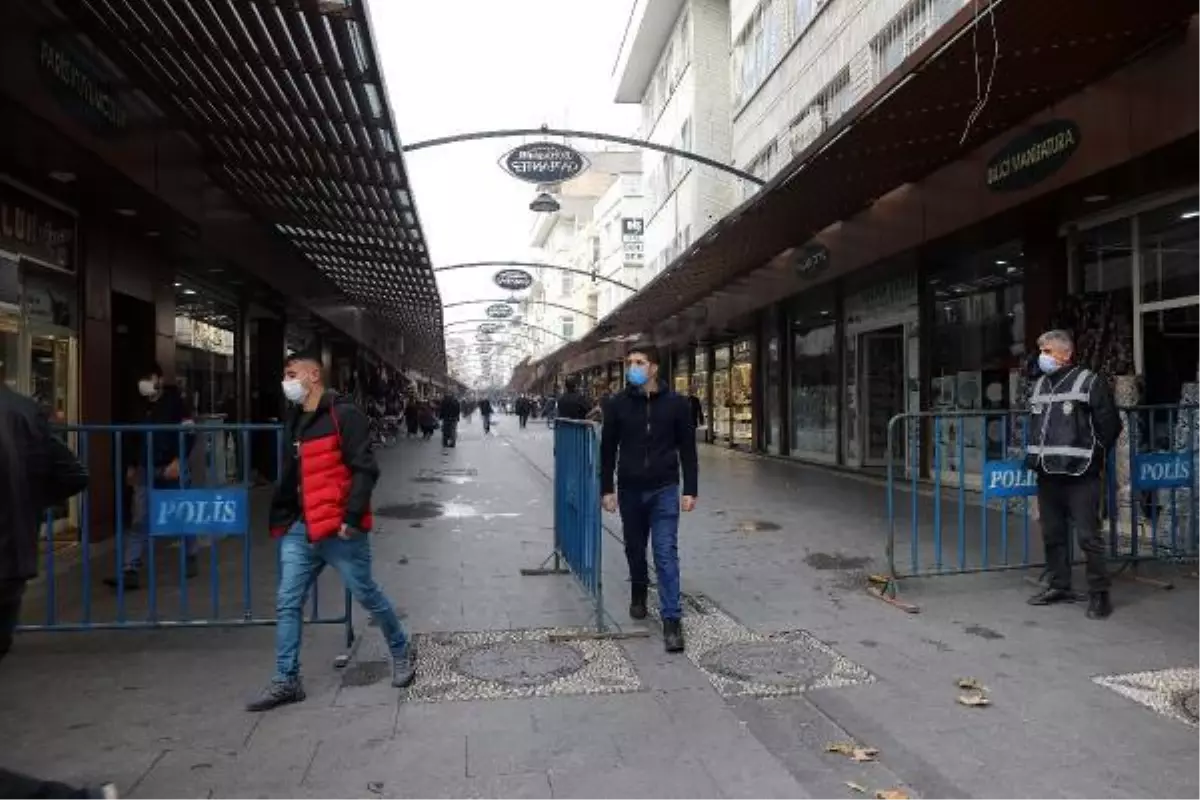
514, 280
491, 327
500, 311
1033, 156
810, 259
544, 162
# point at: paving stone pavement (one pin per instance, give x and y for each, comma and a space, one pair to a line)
799, 657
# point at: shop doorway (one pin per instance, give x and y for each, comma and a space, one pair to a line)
883, 385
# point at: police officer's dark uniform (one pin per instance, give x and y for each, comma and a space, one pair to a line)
1075, 423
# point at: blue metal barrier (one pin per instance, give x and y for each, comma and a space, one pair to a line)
204, 500
968, 488
578, 533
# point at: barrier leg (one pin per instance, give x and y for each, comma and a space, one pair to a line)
886, 588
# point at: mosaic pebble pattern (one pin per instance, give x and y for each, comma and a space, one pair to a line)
472, 666
1170, 692
730, 655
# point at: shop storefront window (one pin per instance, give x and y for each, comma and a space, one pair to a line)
741, 393
1169, 262
204, 334
721, 421
814, 390
680, 378
978, 354
700, 384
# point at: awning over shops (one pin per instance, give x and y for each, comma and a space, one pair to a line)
286, 99
910, 124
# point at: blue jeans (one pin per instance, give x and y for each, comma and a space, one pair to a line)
136, 537
300, 562
653, 516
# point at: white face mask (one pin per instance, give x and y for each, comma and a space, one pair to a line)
147, 388
294, 391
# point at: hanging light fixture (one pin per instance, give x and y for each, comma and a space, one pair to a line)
544, 203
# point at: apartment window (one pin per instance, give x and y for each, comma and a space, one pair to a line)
595, 253
803, 12
759, 48
568, 326
568, 282
685, 39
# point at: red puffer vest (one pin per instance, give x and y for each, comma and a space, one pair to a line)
325, 484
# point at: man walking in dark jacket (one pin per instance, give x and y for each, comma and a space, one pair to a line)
573, 405
450, 411
648, 440
322, 510
37, 471
163, 406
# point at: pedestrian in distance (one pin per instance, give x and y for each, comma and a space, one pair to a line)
37, 472
450, 411
523, 407
412, 416
428, 419
648, 441
162, 405
572, 404
486, 411
1074, 425
322, 513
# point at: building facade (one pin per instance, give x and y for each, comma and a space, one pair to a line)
674, 62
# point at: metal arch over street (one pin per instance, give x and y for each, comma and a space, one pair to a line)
535, 265
508, 133
507, 323
522, 300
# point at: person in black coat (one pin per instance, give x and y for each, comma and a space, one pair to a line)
572, 404
450, 411
37, 472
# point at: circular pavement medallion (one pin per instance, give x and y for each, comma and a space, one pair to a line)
519, 663
1189, 703
770, 663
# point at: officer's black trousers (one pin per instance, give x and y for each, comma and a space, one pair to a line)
1062, 501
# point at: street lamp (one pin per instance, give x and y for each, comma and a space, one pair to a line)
544, 203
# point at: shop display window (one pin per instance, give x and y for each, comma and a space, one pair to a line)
741, 393
978, 355
721, 420
700, 384
814, 391
681, 377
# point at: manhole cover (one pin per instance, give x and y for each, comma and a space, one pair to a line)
1189, 704
770, 663
366, 673
757, 526
425, 509
825, 561
519, 663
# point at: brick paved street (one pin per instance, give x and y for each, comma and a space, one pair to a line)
786, 654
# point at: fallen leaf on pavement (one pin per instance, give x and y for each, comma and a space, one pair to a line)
857, 787
891, 794
852, 750
974, 700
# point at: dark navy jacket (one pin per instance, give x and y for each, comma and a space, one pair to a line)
655, 438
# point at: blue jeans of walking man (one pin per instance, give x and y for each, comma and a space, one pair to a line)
653, 517
301, 561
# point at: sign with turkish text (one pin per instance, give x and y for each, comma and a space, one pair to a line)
1164, 470
500, 311
490, 327
79, 87
1033, 156
544, 162
1008, 479
36, 229
513, 280
809, 260
199, 512
633, 247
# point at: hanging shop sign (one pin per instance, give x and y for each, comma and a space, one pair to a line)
491, 327
36, 229
809, 260
1033, 156
500, 311
633, 230
483, 337
544, 162
81, 90
513, 280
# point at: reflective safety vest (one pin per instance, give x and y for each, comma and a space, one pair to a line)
1062, 438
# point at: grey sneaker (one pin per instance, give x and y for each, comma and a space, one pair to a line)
404, 667
107, 791
277, 693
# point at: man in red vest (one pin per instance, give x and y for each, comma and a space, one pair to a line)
322, 511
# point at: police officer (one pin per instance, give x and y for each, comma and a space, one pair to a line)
1075, 424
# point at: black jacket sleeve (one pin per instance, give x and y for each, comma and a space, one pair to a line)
685, 440
358, 457
285, 502
610, 435
66, 476
1106, 420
